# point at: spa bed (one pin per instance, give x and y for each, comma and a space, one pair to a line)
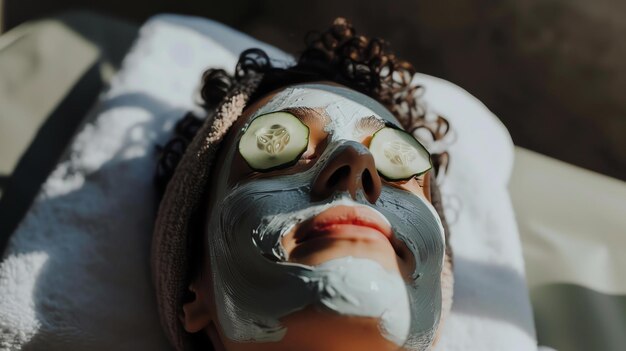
566, 260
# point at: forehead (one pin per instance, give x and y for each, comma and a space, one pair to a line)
343, 106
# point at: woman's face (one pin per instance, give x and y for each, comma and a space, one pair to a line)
323, 253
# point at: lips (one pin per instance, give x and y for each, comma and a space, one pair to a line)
329, 224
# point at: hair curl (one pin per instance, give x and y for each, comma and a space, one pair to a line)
338, 54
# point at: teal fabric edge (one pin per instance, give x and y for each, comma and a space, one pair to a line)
570, 317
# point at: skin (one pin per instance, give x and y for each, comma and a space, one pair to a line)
306, 326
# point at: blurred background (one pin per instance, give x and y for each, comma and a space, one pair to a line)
552, 70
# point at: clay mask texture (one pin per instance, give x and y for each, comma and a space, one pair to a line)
254, 284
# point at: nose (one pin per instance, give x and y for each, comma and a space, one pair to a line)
350, 168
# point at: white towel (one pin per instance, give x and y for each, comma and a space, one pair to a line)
76, 272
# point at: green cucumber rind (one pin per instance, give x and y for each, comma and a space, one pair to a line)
282, 165
396, 179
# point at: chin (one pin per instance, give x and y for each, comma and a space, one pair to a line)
315, 329
316, 252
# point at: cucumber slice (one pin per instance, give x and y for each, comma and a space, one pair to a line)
398, 155
273, 141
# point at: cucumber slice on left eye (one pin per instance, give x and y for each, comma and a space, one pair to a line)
273, 141
398, 155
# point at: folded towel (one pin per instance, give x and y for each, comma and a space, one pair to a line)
76, 272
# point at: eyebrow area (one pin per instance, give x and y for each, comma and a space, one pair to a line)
370, 124
318, 116
308, 115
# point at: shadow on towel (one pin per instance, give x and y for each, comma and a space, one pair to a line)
93, 287
475, 293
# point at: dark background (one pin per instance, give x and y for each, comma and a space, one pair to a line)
553, 70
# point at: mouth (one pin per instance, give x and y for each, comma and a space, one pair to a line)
348, 230
345, 223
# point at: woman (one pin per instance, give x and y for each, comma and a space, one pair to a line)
298, 216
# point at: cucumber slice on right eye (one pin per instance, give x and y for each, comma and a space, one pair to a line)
398, 155
273, 141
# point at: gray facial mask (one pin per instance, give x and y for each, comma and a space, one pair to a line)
254, 284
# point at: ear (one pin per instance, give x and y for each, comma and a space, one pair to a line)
427, 188
196, 314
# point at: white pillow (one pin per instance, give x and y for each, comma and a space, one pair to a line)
76, 273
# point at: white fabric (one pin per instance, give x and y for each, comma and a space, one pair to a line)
76, 273
569, 215
491, 308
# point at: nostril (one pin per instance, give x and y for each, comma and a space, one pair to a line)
368, 182
349, 168
337, 176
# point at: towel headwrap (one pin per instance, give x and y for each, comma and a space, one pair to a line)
182, 197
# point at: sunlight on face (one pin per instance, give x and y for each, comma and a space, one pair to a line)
320, 243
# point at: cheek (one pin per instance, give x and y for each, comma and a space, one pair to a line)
251, 219
413, 186
415, 224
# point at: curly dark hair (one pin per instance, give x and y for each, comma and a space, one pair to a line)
338, 54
